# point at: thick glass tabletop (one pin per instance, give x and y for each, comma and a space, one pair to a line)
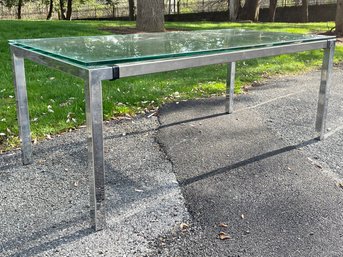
114, 49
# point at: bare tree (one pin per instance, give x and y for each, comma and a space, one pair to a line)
20, 5
251, 10
233, 9
62, 10
69, 9
65, 14
339, 18
150, 15
272, 10
51, 8
15, 3
131, 10
304, 9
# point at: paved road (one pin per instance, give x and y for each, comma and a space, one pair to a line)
259, 171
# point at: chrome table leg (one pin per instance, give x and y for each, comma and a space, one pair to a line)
324, 89
230, 87
22, 108
94, 116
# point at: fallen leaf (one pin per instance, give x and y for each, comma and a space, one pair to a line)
242, 216
223, 236
223, 225
184, 226
152, 114
40, 161
289, 168
318, 166
176, 94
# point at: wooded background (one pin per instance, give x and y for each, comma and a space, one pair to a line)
320, 10
150, 14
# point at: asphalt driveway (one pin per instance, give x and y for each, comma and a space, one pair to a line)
257, 177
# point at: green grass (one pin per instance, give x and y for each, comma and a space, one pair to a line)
52, 90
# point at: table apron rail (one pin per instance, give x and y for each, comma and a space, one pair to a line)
141, 68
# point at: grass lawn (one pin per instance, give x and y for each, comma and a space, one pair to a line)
56, 100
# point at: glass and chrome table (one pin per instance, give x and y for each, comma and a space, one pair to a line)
99, 58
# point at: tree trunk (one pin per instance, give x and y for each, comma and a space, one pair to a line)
131, 10
62, 15
20, 4
150, 15
304, 9
69, 9
272, 10
233, 9
51, 8
251, 10
339, 18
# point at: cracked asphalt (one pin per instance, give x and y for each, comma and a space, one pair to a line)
257, 176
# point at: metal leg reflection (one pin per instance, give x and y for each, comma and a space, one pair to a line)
22, 108
94, 115
230, 87
324, 89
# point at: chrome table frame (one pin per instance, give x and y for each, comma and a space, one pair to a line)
94, 76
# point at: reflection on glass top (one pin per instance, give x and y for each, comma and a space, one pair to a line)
113, 49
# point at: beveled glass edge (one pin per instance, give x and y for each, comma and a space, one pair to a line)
204, 52
50, 55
